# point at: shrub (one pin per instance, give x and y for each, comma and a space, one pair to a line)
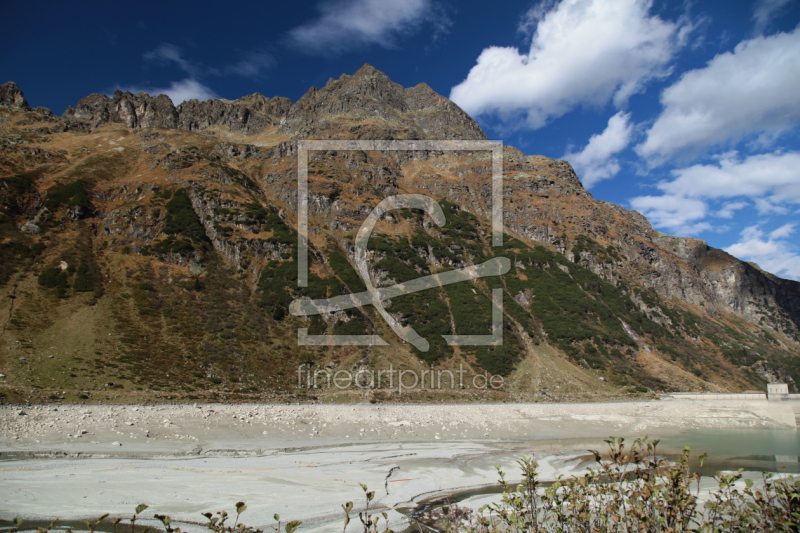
170, 245
281, 233
276, 281
84, 281
54, 278
75, 193
635, 490
345, 271
182, 219
356, 325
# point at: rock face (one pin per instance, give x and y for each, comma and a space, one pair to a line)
11, 96
251, 114
344, 104
248, 115
183, 221
133, 110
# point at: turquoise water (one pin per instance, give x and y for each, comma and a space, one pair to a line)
736, 441
760, 450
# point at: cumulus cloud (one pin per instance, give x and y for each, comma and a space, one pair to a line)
679, 214
767, 10
582, 52
178, 91
782, 232
774, 176
595, 162
188, 89
729, 209
771, 251
751, 90
770, 181
347, 24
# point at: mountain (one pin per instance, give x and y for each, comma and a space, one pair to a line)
149, 251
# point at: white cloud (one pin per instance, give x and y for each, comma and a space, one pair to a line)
595, 162
178, 91
251, 65
188, 89
730, 209
676, 213
775, 177
765, 11
752, 90
783, 231
347, 24
771, 252
582, 52
770, 181
766, 207
169, 53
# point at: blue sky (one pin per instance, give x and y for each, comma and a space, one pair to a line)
687, 111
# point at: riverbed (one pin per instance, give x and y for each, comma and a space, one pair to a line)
304, 461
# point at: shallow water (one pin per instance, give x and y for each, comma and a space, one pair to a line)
737, 441
759, 450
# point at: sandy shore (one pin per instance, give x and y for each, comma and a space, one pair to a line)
303, 461
200, 428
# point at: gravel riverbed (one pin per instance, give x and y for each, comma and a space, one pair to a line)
303, 461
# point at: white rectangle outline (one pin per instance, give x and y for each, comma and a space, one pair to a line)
304, 146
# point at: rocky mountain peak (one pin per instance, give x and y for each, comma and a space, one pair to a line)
367, 93
357, 101
133, 110
276, 106
367, 70
11, 96
421, 96
250, 114
144, 111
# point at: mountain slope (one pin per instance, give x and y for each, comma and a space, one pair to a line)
149, 250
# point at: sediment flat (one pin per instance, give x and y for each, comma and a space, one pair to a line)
303, 461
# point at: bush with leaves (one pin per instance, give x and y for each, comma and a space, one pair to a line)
217, 523
638, 491
369, 520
